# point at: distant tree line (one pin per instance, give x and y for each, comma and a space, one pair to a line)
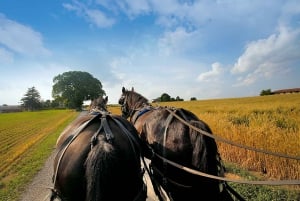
266, 92
167, 98
70, 89
281, 91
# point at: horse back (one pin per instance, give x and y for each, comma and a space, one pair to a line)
69, 131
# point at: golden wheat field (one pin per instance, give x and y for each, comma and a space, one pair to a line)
266, 122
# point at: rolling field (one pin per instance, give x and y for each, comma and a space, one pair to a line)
26, 140
268, 122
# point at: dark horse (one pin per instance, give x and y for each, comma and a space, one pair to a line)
167, 137
99, 159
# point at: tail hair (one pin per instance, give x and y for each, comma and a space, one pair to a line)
97, 168
204, 148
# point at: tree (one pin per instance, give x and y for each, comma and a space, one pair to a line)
165, 97
193, 98
178, 98
74, 87
31, 100
266, 92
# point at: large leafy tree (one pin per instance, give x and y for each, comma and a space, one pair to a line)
31, 100
74, 87
165, 97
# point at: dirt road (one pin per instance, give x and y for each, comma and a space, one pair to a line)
39, 188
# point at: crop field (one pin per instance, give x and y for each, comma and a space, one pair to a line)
266, 122
26, 140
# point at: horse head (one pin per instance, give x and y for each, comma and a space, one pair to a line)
131, 101
99, 104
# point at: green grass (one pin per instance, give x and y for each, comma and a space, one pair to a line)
18, 174
260, 192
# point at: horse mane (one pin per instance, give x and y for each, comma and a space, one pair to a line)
137, 98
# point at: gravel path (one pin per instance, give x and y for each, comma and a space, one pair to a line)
39, 188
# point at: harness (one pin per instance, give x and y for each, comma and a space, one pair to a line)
140, 113
94, 139
165, 180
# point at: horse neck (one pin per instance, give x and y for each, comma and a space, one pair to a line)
136, 101
136, 109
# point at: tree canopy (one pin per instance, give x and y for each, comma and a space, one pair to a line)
166, 98
266, 92
74, 87
31, 100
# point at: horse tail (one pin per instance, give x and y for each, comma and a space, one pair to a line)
97, 166
207, 159
204, 148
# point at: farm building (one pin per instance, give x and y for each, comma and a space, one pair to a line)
284, 91
10, 108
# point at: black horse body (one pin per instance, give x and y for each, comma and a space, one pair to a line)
99, 161
168, 137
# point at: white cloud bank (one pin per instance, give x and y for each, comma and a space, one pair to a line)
18, 38
93, 16
266, 57
213, 74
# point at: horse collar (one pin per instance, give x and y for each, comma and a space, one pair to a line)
140, 113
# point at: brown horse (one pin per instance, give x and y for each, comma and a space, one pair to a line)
99, 159
167, 137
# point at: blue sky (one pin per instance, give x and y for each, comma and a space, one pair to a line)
204, 49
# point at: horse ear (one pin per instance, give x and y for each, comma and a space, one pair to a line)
123, 89
132, 89
106, 99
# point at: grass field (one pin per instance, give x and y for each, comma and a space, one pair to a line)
270, 122
26, 141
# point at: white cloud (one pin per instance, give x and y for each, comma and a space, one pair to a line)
98, 18
5, 56
213, 74
270, 56
135, 7
20, 38
177, 41
93, 16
